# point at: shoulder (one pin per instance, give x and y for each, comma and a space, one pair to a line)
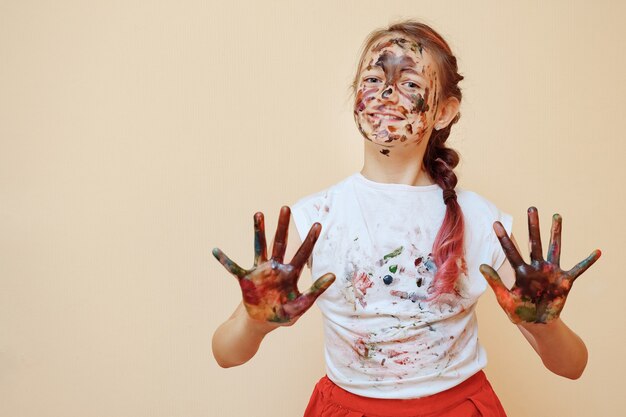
315, 207
318, 199
475, 200
308, 200
477, 206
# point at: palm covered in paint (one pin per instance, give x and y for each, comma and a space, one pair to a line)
270, 287
541, 287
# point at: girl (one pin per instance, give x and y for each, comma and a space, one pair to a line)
406, 254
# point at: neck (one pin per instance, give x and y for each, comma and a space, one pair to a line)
400, 166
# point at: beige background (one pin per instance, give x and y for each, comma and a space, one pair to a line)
136, 136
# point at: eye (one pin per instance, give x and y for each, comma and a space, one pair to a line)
370, 79
411, 84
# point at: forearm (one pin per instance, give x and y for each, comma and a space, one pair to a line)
561, 350
238, 339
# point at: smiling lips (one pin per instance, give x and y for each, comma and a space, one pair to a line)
386, 116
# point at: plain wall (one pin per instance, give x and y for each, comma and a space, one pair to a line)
135, 136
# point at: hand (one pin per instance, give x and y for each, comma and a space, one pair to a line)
541, 287
270, 287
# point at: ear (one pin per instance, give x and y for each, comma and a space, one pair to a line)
448, 110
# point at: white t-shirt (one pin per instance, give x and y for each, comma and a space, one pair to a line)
382, 340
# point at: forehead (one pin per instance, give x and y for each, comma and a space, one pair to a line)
403, 51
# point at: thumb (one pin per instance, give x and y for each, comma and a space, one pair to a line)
306, 299
505, 298
229, 264
583, 265
492, 277
321, 284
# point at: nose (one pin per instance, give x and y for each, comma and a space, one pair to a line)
389, 93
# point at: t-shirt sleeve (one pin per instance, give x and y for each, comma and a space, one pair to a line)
498, 255
305, 212
482, 213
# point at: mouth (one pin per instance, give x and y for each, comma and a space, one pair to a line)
386, 116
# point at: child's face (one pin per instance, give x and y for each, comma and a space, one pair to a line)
398, 76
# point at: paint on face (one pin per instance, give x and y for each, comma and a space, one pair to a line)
397, 92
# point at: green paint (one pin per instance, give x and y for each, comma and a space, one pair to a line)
393, 268
417, 47
394, 253
278, 319
526, 313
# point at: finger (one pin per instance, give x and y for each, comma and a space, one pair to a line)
508, 246
260, 245
505, 298
280, 239
304, 252
583, 265
536, 253
493, 279
230, 266
554, 250
301, 304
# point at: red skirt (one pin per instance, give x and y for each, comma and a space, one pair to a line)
473, 397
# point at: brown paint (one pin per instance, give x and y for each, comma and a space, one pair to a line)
388, 89
541, 286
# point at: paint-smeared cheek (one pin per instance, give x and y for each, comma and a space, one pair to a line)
363, 96
420, 103
432, 90
415, 110
417, 115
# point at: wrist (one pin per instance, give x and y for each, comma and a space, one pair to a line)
257, 327
537, 329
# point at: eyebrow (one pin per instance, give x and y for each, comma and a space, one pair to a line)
411, 70
405, 69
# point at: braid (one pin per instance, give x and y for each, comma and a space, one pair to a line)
439, 162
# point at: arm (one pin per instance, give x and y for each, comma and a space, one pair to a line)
561, 350
237, 340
